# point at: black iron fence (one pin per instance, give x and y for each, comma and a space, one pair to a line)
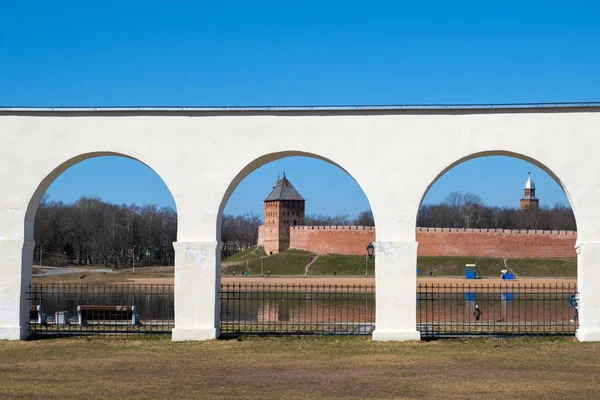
262, 308
498, 310
68, 309
257, 308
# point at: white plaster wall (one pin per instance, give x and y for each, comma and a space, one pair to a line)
394, 155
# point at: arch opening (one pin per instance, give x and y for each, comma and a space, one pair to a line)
289, 215
98, 239
500, 153
47, 181
316, 224
109, 216
496, 238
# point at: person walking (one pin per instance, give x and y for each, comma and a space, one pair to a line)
574, 298
477, 312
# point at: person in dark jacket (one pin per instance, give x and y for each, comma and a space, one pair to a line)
477, 312
574, 300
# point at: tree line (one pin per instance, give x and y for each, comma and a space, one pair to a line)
364, 218
91, 231
467, 210
239, 232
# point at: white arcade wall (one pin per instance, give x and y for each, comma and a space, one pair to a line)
408, 149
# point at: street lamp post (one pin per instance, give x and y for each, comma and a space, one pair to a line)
42, 254
262, 272
370, 249
133, 259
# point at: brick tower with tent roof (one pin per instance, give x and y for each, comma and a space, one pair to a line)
284, 207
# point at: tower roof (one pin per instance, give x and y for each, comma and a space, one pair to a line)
277, 181
284, 190
529, 184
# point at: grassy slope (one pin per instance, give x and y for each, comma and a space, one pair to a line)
341, 264
288, 262
251, 253
450, 266
298, 368
547, 267
455, 266
293, 262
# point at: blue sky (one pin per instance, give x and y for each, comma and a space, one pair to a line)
328, 189
311, 53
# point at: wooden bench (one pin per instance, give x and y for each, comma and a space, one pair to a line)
106, 313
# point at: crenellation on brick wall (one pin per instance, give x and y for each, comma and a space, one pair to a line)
435, 241
497, 230
334, 227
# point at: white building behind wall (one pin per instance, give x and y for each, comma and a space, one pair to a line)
407, 146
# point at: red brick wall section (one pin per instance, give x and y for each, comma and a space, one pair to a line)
279, 216
441, 241
496, 243
271, 227
261, 235
332, 239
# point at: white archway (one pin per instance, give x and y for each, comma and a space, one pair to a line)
20, 284
491, 153
265, 159
544, 167
43, 186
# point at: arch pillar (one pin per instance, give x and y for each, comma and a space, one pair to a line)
197, 281
17, 256
396, 288
588, 285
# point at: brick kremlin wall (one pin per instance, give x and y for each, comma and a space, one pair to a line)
332, 239
261, 235
505, 243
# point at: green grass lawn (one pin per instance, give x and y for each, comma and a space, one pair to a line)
545, 266
455, 266
342, 265
251, 253
299, 368
293, 262
288, 262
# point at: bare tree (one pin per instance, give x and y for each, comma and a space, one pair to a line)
93, 231
365, 218
468, 211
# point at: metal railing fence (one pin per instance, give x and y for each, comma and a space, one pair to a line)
257, 308
280, 309
93, 309
496, 309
